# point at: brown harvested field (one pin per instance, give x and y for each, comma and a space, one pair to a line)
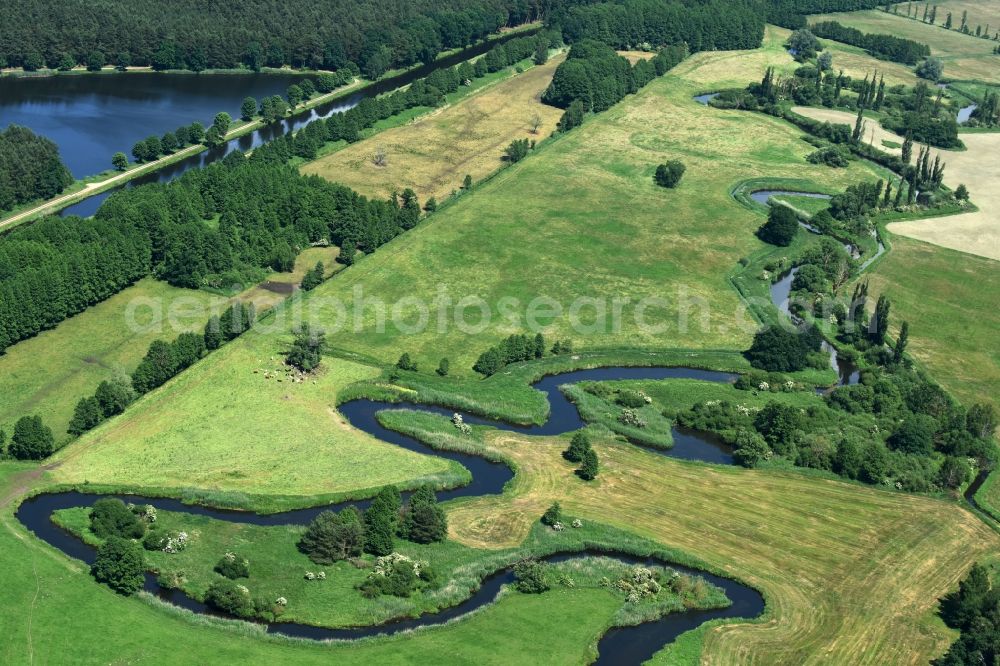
978, 168
851, 574
433, 154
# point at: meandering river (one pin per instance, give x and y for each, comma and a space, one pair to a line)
624, 645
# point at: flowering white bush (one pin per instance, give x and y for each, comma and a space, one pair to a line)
577, 522
789, 385
176, 542
460, 423
321, 575
640, 584
558, 527
385, 564
764, 386
310, 575
281, 601
630, 417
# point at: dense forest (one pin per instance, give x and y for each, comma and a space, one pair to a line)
703, 26
219, 226
376, 35
881, 46
30, 168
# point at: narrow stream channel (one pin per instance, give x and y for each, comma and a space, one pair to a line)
624, 645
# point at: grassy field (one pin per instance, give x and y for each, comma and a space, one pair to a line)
237, 435
50, 590
734, 69
851, 574
433, 153
566, 202
950, 299
277, 568
99, 343
964, 56
980, 12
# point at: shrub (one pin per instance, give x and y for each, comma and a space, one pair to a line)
233, 566
120, 565
831, 156
109, 517
230, 597
397, 575
751, 448
669, 174
530, 577
405, 363
552, 515
631, 398
931, 68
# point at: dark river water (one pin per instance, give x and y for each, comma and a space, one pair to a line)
90, 117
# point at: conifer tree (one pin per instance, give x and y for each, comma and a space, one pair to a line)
578, 447
589, 467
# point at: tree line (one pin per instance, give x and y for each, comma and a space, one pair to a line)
266, 213
881, 46
792, 14
30, 168
373, 35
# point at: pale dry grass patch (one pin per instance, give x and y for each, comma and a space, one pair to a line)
433, 153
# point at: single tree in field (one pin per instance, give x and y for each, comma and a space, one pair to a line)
467, 182
430, 205
406, 363
961, 192
306, 351
119, 161
314, 277
669, 174
32, 439
536, 122
443, 367
381, 157
552, 515
589, 466
578, 447
248, 109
